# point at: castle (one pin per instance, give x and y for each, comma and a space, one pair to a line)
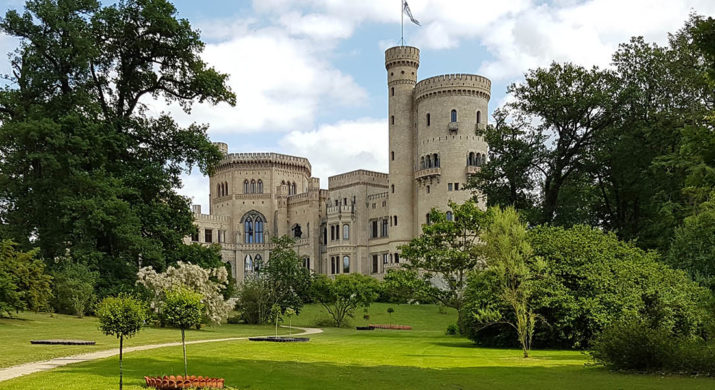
358, 223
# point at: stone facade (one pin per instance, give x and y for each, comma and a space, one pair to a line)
358, 223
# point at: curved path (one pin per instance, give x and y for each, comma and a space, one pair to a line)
33, 367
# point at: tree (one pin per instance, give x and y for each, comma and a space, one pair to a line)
123, 317
276, 315
341, 296
287, 278
209, 283
23, 281
182, 309
447, 250
402, 285
510, 259
389, 312
73, 289
290, 313
85, 167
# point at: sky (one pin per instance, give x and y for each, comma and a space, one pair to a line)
310, 79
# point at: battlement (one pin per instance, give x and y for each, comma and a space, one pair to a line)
222, 146
361, 176
212, 218
402, 55
459, 83
271, 159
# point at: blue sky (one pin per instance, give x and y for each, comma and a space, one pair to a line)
310, 76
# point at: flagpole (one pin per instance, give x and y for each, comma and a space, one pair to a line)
402, 22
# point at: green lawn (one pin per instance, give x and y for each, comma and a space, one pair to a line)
15, 336
423, 358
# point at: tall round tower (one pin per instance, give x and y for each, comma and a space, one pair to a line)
449, 108
401, 63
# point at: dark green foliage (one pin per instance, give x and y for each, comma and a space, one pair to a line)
590, 280
452, 330
24, 285
73, 288
84, 167
254, 300
401, 285
342, 295
631, 344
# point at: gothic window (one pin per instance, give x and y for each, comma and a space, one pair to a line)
294, 191
245, 186
453, 116
429, 161
248, 230
257, 263
422, 162
248, 264
218, 190
346, 264
297, 231
332, 232
253, 228
435, 157
260, 186
225, 188
470, 159
346, 232
428, 119
253, 186
259, 231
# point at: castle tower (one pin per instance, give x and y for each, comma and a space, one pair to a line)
401, 63
448, 110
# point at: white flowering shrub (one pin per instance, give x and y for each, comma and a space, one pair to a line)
207, 282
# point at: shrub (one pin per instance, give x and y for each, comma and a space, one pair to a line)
452, 330
632, 344
23, 281
73, 289
254, 300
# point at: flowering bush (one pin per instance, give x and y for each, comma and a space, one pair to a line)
207, 282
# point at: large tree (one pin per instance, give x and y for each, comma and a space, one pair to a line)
84, 168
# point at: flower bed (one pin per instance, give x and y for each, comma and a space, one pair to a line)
394, 327
178, 382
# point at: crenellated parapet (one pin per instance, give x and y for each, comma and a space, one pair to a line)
265, 160
402, 55
360, 176
453, 84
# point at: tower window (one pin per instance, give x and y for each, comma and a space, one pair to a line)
428, 119
392, 119
395, 222
454, 115
392, 91
393, 188
346, 232
479, 117
346, 264
428, 189
392, 155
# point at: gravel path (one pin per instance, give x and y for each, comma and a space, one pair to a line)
30, 368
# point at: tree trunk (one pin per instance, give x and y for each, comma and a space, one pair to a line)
183, 343
121, 345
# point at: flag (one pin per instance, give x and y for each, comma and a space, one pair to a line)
406, 10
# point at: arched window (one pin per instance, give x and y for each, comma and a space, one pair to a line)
422, 162
435, 158
248, 264
258, 228
248, 230
225, 188
392, 91
395, 220
260, 186
429, 161
428, 119
479, 116
450, 216
218, 190
472, 159
245, 186
297, 231
253, 186
453, 115
346, 232
484, 158
257, 263
346, 264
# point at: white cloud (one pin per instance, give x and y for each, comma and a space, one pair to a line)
341, 147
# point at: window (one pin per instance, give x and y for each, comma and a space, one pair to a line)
479, 117
395, 223
219, 235
427, 218
393, 188
306, 262
346, 264
208, 235
428, 189
332, 265
450, 216
449, 186
422, 162
435, 158
260, 186
392, 91
253, 228
429, 161
325, 235
392, 155
392, 119
470, 159
384, 258
397, 258
428, 119
345, 201
297, 231
245, 186
332, 232
257, 263
248, 264
253, 186
294, 189
383, 233
453, 115
456, 186
374, 264
346, 232
374, 229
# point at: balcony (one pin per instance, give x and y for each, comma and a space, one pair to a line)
427, 173
341, 209
453, 127
472, 169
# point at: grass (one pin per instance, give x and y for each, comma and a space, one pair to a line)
16, 333
423, 358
